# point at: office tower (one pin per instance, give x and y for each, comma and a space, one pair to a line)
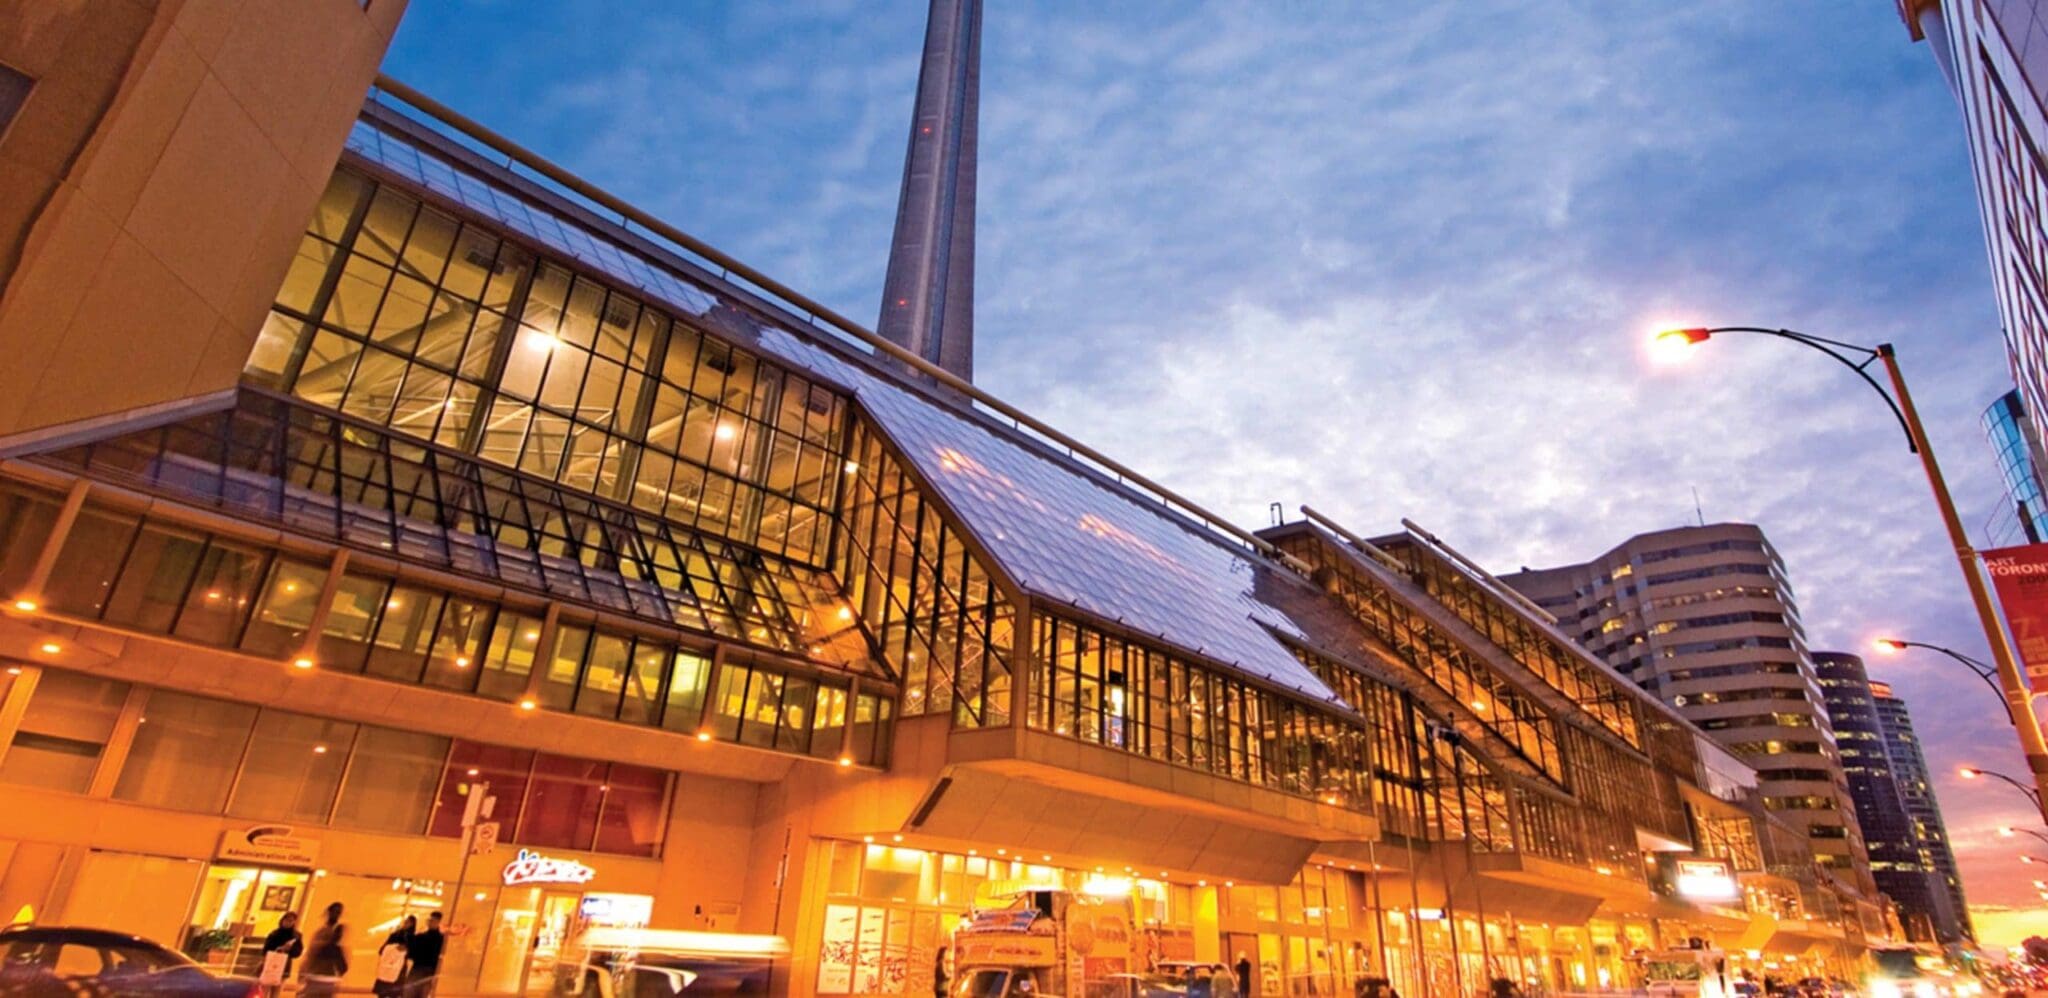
1704, 618
928, 292
1994, 56
1897, 840
1909, 770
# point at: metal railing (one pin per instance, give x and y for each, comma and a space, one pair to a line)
832, 327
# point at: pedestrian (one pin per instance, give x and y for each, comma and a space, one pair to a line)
285, 943
391, 959
326, 959
1244, 974
1221, 983
425, 953
939, 974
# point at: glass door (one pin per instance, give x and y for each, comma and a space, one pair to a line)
237, 906
553, 933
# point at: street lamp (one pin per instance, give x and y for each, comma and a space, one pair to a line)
2008, 831
1858, 358
1972, 772
1986, 672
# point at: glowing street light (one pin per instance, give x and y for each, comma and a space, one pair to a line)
1972, 772
1984, 671
2008, 831
1859, 359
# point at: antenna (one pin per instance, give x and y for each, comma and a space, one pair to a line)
1696, 509
1279, 515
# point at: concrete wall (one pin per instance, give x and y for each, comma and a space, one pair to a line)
154, 186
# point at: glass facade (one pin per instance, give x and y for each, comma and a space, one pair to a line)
2018, 452
403, 317
1096, 687
943, 623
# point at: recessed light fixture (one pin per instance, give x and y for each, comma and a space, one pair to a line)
528, 703
52, 647
302, 662
25, 605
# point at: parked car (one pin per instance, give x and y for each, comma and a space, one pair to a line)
61, 962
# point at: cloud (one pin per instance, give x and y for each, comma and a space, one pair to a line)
1390, 261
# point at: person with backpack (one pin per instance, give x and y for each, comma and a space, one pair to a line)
326, 958
391, 959
279, 948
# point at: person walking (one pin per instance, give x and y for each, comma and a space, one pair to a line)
286, 943
425, 953
1244, 974
326, 959
1221, 983
939, 974
391, 959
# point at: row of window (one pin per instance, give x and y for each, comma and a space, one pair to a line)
1708, 572
1723, 644
1775, 746
1704, 547
202, 588
1103, 689
400, 315
1774, 720
1735, 696
191, 753
1712, 596
1718, 620
1740, 669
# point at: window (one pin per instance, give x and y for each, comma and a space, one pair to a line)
185, 752
635, 803
63, 732
294, 768
562, 801
86, 565
221, 594
160, 566
285, 610
471, 766
392, 781
404, 632
14, 89
25, 521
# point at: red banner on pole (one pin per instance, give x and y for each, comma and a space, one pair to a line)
2020, 576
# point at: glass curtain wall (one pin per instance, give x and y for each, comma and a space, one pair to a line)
149, 576
1100, 688
941, 622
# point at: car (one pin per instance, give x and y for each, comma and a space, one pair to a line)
65, 962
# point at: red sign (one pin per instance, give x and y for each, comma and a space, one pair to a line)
2020, 575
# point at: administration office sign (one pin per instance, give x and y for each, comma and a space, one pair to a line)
2020, 576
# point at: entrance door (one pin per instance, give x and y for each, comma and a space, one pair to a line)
237, 906
554, 932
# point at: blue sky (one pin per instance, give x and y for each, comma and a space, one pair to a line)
1390, 259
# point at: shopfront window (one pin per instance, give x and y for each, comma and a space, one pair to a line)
185, 752
635, 811
562, 802
69, 719
472, 766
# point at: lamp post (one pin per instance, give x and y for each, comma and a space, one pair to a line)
1986, 672
1972, 772
2012, 684
2008, 831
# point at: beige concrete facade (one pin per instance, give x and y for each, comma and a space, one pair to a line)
154, 183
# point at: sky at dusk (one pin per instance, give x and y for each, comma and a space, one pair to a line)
1386, 259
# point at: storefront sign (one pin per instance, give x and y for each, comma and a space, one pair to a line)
270, 845
530, 867
623, 910
1704, 880
1003, 949
2020, 575
1003, 920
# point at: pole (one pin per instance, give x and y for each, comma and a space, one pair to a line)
470, 810
2010, 680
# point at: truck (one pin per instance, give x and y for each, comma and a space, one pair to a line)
1687, 973
1050, 943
